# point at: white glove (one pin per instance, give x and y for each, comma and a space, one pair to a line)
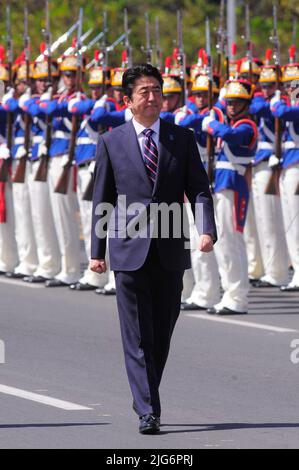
8, 96
273, 161
4, 152
47, 96
91, 167
21, 152
101, 102
275, 99
42, 149
222, 93
206, 121
24, 98
74, 101
180, 115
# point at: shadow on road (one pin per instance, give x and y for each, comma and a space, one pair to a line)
49, 425
226, 427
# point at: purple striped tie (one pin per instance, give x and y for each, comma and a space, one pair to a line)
150, 155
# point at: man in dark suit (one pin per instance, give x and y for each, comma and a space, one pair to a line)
141, 164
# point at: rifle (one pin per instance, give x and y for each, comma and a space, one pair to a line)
248, 40
4, 164
88, 193
210, 141
128, 47
63, 182
147, 49
19, 176
42, 171
181, 58
273, 183
158, 49
59, 41
220, 39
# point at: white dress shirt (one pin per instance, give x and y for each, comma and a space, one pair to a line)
139, 128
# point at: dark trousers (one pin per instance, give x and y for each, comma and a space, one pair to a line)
148, 305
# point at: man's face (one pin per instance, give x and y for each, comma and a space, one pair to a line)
118, 95
171, 102
268, 90
40, 86
201, 99
96, 92
21, 88
69, 80
236, 108
146, 100
292, 90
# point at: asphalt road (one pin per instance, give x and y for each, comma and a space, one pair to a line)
228, 384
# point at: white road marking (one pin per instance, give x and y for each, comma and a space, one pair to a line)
247, 324
63, 405
20, 283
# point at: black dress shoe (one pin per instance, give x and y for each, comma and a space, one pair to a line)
149, 424
224, 311
79, 286
55, 283
2, 273
192, 306
11, 275
34, 279
261, 283
102, 291
253, 281
289, 288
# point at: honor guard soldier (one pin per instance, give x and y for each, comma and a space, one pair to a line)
24, 231
289, 177
64, 205
239, 140
8, 247
267, 207
42, 217
87, 139
205, 291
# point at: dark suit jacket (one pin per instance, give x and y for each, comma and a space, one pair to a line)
120, 171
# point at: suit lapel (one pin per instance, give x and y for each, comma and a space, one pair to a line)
166, 146
131, 148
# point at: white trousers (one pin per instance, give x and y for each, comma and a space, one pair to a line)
206, 286
8, 246
231, 255
254, 256
289, 181
27, 250
44, 228
65, 210
269, 221
89, 277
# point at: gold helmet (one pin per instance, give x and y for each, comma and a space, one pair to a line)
290, 72
256, 65
268, 74
201, 83
238, 89
171, 84
117, 77
4, 76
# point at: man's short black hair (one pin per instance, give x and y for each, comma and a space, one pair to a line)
143, 70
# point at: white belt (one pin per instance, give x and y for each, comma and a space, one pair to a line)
37, 139
19, 140
229, 166
265, 146
86, 141
290, 145
61, 135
